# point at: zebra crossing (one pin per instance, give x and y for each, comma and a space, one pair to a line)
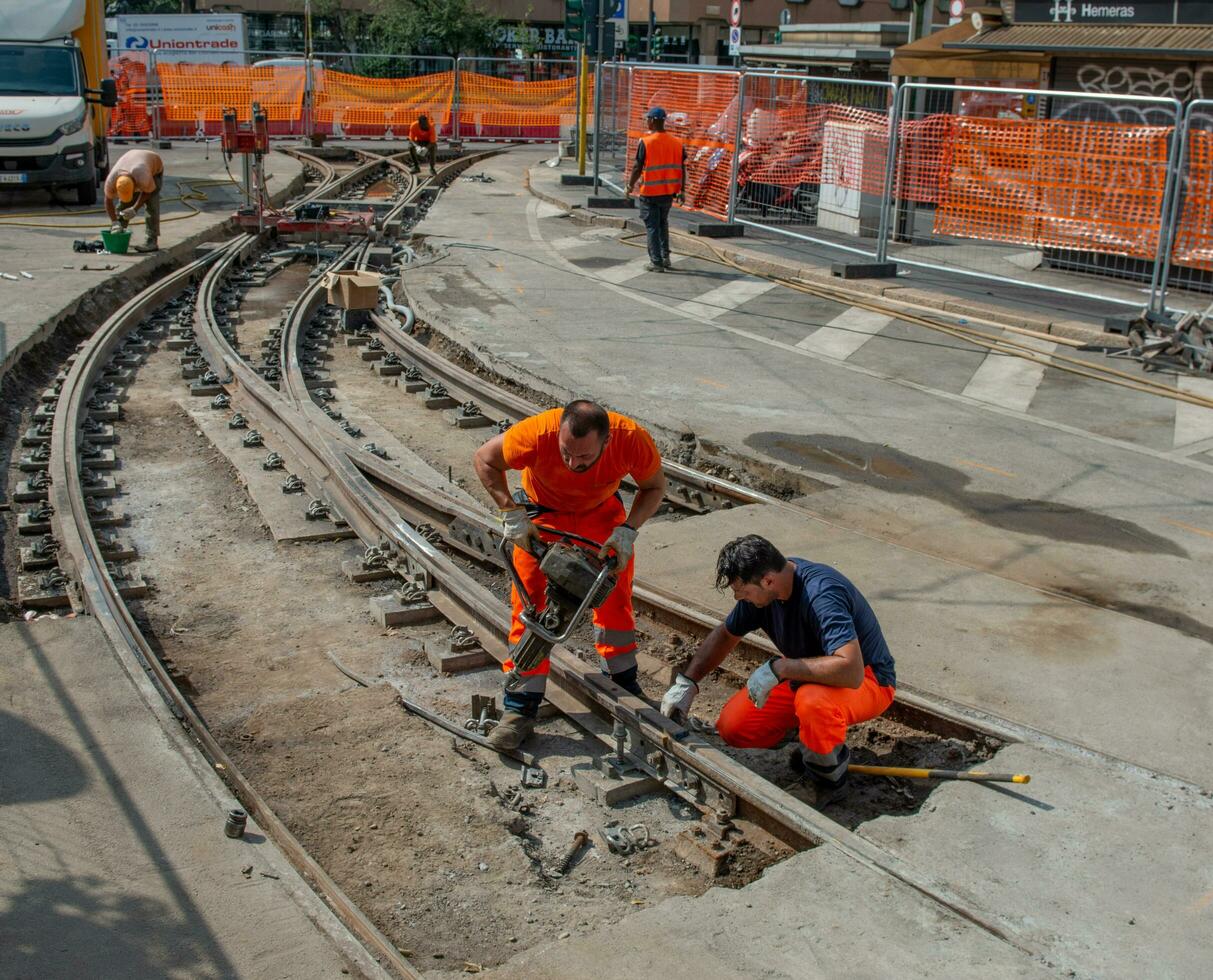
828, 330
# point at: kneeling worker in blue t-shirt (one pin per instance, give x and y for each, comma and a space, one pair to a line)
836, 669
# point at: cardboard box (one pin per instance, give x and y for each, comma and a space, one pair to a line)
353, 290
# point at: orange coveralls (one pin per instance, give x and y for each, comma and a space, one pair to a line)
586, 504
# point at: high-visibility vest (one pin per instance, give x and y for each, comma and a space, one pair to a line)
662, 165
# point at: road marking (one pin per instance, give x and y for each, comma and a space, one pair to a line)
619, 274
846, 333
1193, 423
1123, 445
1189, 527
724, 299
988, 469
1008, 380
713, 383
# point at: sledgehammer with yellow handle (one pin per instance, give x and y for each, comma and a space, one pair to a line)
971, 774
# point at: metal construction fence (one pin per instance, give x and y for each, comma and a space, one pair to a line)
944, 177
1058, 191
340, 95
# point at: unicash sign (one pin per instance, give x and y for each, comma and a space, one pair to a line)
184, 37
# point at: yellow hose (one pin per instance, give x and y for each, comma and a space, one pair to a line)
192, 194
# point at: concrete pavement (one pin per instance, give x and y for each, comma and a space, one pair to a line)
1031, 541
37, 235
1077, 487
115, 864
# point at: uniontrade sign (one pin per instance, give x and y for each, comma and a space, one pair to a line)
212, 38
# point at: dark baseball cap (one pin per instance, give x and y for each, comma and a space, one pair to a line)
655, 113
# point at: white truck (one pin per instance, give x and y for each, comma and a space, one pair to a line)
54, 81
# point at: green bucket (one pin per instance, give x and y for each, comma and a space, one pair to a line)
116, 242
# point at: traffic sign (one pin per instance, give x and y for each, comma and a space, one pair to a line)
735, 14
734, 41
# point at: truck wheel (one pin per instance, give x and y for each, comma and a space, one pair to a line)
86, 192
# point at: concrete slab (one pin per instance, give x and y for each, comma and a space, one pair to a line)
284, 514
198, 200
1060, 667
1083, 494
817, 915
1093, 864
115, 863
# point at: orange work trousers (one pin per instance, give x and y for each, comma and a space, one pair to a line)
614, 620
822, 713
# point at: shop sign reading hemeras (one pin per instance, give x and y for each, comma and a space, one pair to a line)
1112, 12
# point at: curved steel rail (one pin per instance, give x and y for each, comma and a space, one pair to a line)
97, 591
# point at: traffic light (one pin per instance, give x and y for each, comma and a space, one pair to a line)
580, 16
658, 41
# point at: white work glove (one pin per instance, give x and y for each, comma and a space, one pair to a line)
762, 682
117, 226
677, 701
126, 214
622, 541
516, 525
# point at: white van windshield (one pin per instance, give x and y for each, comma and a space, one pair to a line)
33, 69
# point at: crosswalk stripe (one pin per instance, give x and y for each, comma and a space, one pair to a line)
1192, 422
1007, 380
724, 299
846, 333
619, 274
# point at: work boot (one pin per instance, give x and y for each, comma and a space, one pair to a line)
666, 264
827, 773
654, 267
433, 172
151, 245
511, 731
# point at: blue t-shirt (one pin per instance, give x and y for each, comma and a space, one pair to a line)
824, 612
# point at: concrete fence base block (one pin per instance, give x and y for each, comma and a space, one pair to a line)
864, 270
717, 229
576, 180
610, 202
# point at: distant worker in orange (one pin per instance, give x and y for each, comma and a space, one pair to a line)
660, 168
134, 181
572, 462
422, 136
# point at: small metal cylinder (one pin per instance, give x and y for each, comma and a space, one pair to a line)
234, 825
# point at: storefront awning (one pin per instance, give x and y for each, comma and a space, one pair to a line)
945, 54
1171, 41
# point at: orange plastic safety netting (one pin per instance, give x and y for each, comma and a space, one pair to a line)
195, 96
352, 105
701, 110
502, 108
1091, 186
130, 116
1193, 246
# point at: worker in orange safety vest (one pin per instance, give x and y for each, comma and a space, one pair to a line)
572, 462
660, 169
423, 137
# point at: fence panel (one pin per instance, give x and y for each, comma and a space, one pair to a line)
701, 110
1190, 266
516, 100
131, 118
379, 96
813, 157
985, 190
194, 96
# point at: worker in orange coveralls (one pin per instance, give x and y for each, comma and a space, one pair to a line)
572, 462
422, 136
835, 668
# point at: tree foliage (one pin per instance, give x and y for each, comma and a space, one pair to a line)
442, 27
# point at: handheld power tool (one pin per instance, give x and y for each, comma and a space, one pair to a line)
577, 582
